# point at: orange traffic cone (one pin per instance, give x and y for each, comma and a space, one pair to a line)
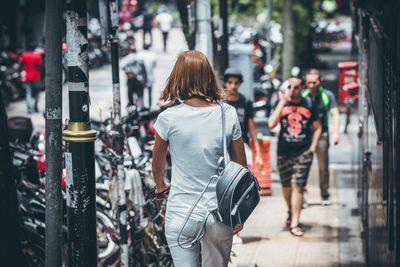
263, 174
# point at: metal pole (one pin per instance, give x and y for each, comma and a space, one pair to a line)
203, 33
288, 39
53, 113
268, 25
118, 175
223, 11
79, 159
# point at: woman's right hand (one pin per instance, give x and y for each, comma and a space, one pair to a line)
285, 95
162, 187
162, 191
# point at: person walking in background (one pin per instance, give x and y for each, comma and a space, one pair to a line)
259, 56
125, 15
136, 81
164, 20
32, 63
192, 132
233, 78
325, 103
147, 27
298, 139
149, 59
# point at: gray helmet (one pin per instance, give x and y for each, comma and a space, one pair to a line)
232, 72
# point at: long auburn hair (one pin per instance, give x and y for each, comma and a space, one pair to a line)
191, 76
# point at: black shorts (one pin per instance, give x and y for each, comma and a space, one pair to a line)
294, 171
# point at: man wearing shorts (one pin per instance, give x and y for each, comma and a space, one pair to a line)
298, 138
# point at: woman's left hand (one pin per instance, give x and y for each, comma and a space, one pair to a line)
259, 161
237, 228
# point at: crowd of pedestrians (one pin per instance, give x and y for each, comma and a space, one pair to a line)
190, 131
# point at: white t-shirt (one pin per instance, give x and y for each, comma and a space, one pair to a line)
195, 144
165, 21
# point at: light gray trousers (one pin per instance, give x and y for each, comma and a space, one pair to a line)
213, 250
323, 163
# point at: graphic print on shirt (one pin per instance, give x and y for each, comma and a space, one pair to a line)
294, 120
241, 114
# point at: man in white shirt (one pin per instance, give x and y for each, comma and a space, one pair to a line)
164, 21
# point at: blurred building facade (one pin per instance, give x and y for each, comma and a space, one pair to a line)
20, 22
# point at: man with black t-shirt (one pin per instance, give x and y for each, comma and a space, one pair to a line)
298, 138
244, 108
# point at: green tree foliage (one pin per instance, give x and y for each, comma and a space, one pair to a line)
303, 11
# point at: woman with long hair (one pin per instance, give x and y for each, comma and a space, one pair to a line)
192, 131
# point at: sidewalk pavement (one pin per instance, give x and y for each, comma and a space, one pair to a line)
332, 234
100, 82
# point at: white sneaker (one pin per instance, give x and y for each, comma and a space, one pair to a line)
237, 240
325, 201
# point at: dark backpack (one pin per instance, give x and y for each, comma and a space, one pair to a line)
237, 194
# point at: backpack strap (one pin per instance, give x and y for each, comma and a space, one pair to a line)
306, 92
324, 97
224, 143
201, 232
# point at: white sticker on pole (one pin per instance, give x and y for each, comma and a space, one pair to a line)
70, 181
73, 38
75, 42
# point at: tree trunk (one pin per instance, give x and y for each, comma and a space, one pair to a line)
307, 55
288, 39
183, 12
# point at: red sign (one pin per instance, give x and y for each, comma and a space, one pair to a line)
348, 82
